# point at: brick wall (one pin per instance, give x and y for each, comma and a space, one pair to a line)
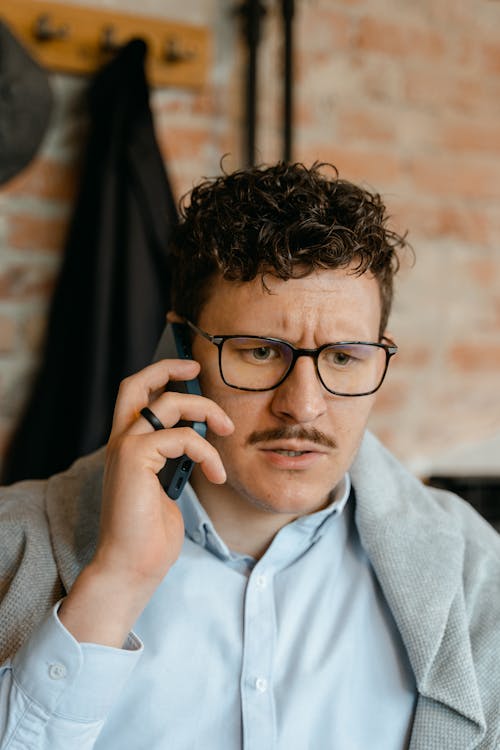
404, 97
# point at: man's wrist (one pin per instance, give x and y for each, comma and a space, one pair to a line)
102, 608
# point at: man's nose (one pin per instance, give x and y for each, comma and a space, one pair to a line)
300, 398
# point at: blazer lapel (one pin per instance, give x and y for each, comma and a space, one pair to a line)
417, 555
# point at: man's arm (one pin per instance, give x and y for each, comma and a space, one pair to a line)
141, 535
141, 531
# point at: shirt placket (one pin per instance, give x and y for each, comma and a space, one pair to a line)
259, 633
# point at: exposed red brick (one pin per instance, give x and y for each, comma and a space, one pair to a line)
169, 107
204, 103
484, 357
199, 103
496, 307
45, 178
478, 136
400, 39
491, 57
375, 167
412, 355
438, 219
468, 178
8, 333
448, 88
486, 271
366, 124
22, 281
33, 331
29, 232
180, 142
392, 396
379, 80
330, 30
303, 114
468, 51
227, 144
348, 3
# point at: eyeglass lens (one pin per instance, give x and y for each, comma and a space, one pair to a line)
259, 364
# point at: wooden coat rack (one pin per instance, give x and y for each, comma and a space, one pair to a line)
79, 39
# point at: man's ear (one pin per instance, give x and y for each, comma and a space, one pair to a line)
173, 317
387, 335
165, 348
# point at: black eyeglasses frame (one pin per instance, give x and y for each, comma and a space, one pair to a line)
218, 340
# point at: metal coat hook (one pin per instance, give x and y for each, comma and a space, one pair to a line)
174, 53
45, 31
108, 42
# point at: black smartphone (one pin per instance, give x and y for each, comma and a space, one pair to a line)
175, 343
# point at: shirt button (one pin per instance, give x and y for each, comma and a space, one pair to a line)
261, 684
197, 536
261, 582
57, 671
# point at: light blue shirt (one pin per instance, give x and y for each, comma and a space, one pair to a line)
297, 651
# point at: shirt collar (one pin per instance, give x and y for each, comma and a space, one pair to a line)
200, 529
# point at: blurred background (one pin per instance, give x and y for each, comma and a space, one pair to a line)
403, 97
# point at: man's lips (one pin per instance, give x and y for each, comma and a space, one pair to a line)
292, 456
291, 447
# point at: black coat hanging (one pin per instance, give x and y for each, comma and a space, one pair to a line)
110, 301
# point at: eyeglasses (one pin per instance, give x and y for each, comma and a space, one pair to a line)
346, 368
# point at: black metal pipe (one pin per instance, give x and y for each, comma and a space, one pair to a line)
288, 12
253, 43
252, 12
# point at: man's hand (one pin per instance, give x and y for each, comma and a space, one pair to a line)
141, 531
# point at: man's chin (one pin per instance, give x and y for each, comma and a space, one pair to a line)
289, 499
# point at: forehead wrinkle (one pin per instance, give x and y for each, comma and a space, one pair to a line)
311, 311
312, 330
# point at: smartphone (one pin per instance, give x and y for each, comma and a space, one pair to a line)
175, 343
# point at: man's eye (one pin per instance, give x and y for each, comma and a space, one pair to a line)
339, 358
259, 354
264, 353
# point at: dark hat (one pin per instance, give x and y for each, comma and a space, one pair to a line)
25, 105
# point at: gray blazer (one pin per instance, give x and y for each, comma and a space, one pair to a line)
437, 561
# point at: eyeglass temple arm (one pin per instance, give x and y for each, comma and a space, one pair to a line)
204, 334
391, 346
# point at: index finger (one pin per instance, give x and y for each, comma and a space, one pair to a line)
136, 391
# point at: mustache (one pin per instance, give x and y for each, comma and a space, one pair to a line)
311, 434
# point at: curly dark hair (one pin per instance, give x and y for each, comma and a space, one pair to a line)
286, 220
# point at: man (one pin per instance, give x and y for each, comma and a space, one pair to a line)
305, 591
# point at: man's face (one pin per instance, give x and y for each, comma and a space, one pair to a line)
300, 415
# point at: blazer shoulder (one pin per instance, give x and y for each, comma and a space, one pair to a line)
474, 529
22, 498
24, 526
